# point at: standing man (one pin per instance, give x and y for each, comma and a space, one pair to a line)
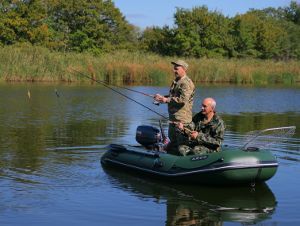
180, 102
206, 131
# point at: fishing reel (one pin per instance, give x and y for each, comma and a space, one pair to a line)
156, 103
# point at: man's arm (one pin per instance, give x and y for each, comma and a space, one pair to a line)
213, 141
185, 91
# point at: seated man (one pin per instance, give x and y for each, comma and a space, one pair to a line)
206, 131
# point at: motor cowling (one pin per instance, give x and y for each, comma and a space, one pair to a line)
147, 135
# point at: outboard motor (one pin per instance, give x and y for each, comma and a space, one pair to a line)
148, 136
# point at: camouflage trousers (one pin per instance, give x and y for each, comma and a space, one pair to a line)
197, 150
176, 139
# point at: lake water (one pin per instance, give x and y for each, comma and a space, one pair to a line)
51, 144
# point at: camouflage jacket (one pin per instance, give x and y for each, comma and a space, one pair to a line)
211, 134
181, 98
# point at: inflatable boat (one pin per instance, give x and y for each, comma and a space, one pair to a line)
230, 166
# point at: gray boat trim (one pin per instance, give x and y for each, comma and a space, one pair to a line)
222, 168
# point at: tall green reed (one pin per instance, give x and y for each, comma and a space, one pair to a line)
32, 63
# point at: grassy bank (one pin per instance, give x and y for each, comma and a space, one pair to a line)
29, 63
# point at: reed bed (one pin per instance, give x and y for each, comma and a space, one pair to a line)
37, 64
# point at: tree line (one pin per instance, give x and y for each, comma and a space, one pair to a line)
99, 27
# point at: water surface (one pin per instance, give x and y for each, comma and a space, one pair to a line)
51, 144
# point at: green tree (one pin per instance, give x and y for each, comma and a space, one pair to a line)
258, 35
23, 21
84, 25
158, 40
291, 45
292, 13
75, 25
289, 20
200, 32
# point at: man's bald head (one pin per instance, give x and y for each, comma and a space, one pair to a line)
210, 101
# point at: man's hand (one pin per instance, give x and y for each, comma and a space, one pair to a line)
157, 97
179, 125
161, 99
194, 135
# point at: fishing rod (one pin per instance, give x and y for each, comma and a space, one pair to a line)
184, 130
105, 84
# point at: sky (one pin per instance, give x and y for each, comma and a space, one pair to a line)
145, 13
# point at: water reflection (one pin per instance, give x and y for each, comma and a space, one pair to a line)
190, 205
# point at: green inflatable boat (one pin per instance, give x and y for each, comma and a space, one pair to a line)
231, 166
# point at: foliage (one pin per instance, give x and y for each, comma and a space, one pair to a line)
266, 34
200, 32
258, 35
158, 40
98, 27
22, 21
77, 25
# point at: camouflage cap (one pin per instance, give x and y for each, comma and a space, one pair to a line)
180, 63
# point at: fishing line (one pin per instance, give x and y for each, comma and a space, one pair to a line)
106, 83
109, 87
